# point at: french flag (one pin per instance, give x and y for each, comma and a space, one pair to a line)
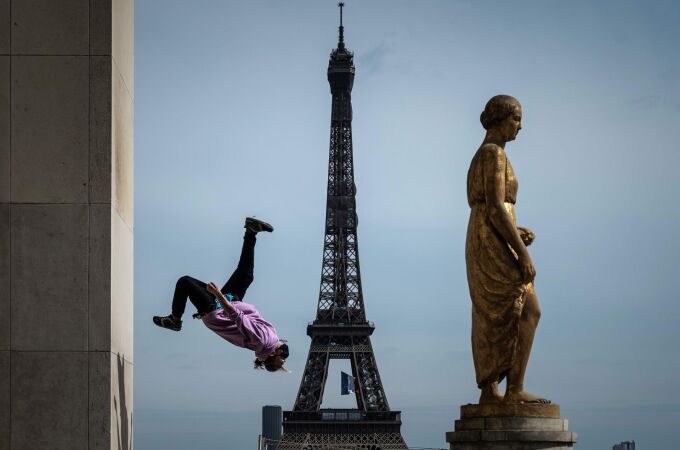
347, 383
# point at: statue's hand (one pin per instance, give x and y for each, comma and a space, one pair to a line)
526, 235
526, 266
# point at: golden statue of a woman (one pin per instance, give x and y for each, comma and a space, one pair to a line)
500, 272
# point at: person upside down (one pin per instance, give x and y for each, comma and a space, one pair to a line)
224, 312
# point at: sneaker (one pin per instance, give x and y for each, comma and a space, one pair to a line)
255, 225
169, 322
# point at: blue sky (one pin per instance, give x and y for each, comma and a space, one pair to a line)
232, 119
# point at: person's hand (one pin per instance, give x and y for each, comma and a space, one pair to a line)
526, 266
214, 290
526, 235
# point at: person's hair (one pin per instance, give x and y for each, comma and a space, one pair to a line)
497, 109
272, 364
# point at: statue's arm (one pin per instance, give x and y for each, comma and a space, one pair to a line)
494, 176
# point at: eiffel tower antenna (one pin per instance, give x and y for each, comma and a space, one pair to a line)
340, 330
341, 29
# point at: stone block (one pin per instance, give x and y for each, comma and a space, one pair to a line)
4, 126
122, 40
469, 424
100, 129
510, 410
512, 423
100, 401
531, 435
4, 28
4, 399
4, 277
100, 27
50, 128
49, 400
464, 436
122, 150
513, 427
49, 277
121, 413
110, 402
121, 287
99, 285
509, 446
46, 27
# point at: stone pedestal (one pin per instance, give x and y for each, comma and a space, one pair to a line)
510, 427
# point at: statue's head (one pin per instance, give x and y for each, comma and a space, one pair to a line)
503, 115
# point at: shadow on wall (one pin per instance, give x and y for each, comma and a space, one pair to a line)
122, 421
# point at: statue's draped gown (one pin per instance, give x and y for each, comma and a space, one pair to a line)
494, 277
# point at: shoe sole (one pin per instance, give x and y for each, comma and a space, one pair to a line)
258, 225
159, 324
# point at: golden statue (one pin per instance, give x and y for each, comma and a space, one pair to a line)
500, 272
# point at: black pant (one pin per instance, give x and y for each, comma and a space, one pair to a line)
237, 284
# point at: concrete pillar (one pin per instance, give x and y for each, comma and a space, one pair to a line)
66, 224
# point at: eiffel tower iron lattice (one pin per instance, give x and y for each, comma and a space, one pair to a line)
341, 330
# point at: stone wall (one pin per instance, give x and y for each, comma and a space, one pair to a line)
66, 224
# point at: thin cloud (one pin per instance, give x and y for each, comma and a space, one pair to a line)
671, 74
649, 102
645, 102
374, 60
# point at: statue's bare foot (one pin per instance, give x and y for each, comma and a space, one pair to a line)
490, 394
524, 397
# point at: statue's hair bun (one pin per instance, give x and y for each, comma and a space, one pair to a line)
497, 109
484, 118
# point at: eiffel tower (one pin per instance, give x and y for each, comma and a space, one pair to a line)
341, 330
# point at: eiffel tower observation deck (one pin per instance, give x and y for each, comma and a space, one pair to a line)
341, 330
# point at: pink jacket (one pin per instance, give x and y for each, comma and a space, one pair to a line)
244, 328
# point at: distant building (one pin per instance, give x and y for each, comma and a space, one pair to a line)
272, 418
628, 445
